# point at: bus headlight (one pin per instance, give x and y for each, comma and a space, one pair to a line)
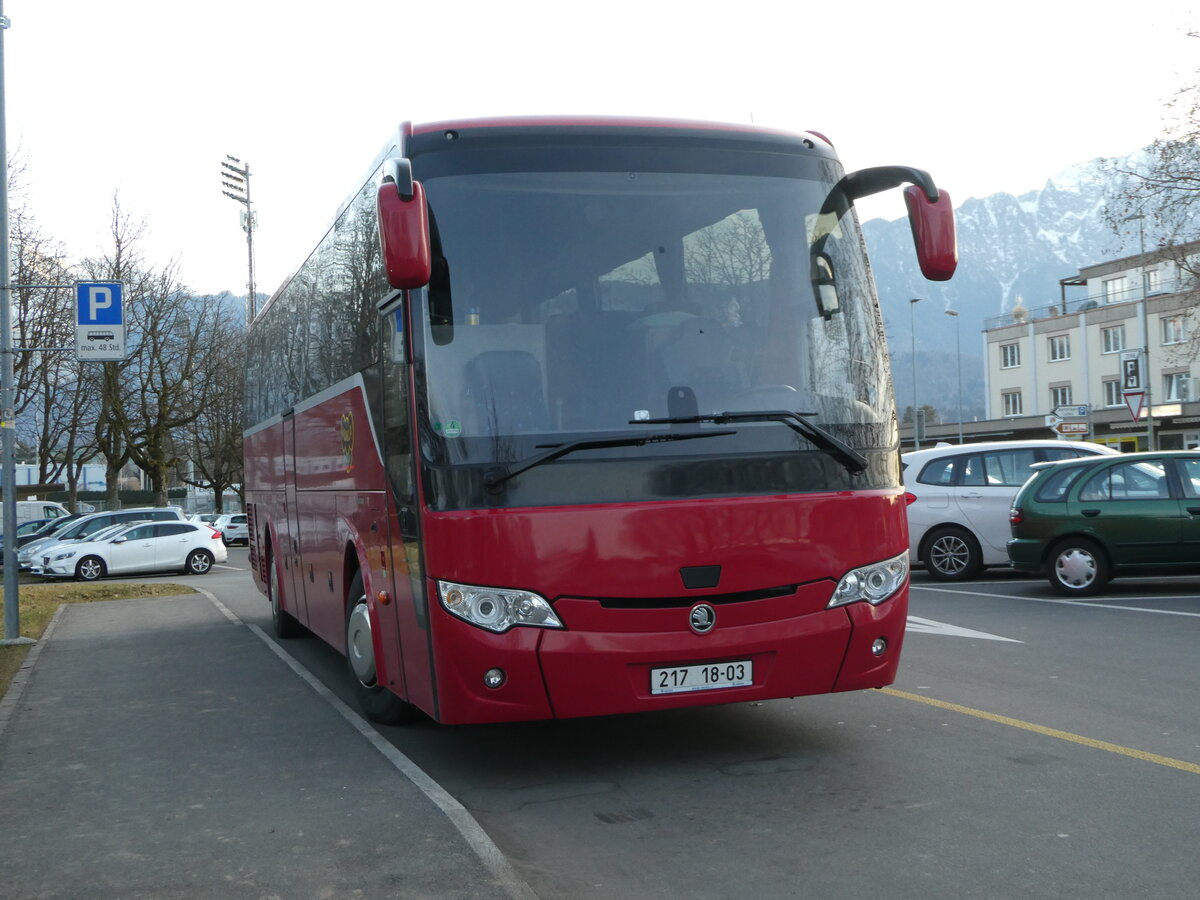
496, 609
873, 583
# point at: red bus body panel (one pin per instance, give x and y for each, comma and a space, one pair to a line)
600, 664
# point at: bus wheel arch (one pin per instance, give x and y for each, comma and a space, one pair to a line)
377, 702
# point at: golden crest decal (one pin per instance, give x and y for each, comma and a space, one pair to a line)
346, 427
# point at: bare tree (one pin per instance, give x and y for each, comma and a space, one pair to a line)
154, 393
214, 439
1162, 192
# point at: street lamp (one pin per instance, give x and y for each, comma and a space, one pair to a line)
236, 178
912, 317
958, 357
1142, 315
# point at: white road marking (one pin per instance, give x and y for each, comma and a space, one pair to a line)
928, 626
1081, 602
472, 832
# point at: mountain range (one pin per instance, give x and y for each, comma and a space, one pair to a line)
1011, 250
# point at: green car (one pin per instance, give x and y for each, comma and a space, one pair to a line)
1082, 521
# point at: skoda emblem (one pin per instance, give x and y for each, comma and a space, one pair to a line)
702, 618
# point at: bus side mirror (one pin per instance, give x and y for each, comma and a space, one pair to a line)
404, 234
933, 232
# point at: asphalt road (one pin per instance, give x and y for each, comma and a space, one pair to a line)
1032, 747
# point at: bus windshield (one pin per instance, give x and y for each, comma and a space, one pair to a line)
567, 306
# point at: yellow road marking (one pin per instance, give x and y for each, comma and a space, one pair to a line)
1049, 732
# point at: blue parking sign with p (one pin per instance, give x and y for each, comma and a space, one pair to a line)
99, 303
100, 321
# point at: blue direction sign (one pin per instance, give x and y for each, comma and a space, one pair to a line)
100, 320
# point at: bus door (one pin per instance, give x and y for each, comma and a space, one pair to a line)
412, 614
289, 529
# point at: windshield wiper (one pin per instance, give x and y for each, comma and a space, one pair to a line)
501, 474
854, 461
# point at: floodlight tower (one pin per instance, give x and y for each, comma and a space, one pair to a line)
235, 175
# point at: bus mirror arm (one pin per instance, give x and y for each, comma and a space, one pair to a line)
398, 171
404, 240
930, 213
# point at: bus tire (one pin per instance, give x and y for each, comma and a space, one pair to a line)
283, 623
377, 702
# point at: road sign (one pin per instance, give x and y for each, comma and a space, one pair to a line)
1133, 399
1071, 428
1131, 370
1067, 412
1051, 420
100, 320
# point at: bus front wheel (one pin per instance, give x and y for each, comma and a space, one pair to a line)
377, 702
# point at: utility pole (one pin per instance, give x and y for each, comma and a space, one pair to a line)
8, 419
235, 176
912, 319
1143, 315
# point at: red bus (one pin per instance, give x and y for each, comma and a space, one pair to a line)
571, 417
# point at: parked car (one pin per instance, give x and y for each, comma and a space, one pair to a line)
1083, 521
959, 496
26, 531
233, 528
29, 556
145, 547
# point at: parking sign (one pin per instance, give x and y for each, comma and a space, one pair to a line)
100, 320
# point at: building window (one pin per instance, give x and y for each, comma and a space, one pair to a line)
1060, 347
1113, 338
1174, 330
1151, 282
1010, 356
1115, 289
1060, 396
1012, 403
1112, 393
1175, 387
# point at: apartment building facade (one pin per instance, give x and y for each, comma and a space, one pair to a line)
1129, 324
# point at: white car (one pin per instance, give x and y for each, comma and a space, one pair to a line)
29, 557
959, 496
138, 549
233, 528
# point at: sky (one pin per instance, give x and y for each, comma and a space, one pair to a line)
141, 100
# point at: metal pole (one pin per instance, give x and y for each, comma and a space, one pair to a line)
912, 317
1145, 331
253, 300
958, 357
8, 478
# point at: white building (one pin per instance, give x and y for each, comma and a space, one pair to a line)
1127, 344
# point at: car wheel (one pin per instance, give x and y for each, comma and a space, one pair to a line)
377, 702
952, 554
283, 623
1077, 567
198, 562
90, 568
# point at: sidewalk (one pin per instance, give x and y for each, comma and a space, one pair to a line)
160, 750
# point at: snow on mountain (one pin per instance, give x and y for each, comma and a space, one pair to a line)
1011, 249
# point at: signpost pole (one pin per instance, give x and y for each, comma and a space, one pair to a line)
8, 463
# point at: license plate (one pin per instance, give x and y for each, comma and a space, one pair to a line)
681, 679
